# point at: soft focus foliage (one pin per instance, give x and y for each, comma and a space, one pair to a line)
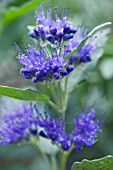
15, 16
104, 163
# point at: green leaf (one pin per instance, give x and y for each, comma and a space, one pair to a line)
15, 12
105, 163
26, 94
13, 24
23, 94
87, 37
81, 72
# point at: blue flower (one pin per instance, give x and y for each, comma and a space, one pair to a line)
53, 129
41, 65
84, 53
27, 121
86, 129
55, 31
17, 125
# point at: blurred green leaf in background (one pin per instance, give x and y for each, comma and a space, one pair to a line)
99, 164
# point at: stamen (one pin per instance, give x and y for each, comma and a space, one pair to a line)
56, 13
66, 11
50, 9
30, 40
48, 14
16, 46
40, 12
38, 45
63, 13
47, 52
50, 49
56, 51
40, 8
25, 47
93, 38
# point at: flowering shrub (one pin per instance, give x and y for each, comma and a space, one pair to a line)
57, 49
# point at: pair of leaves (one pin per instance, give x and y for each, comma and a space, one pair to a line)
105, 163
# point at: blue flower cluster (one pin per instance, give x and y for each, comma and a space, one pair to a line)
55, 31
40, 67
17, 125
83, 55
54, 129
55, 39
27, 121
86, 129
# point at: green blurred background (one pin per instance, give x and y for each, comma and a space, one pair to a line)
15, 16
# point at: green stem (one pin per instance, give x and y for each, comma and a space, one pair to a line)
54, 162
53, 105
65, 96
60, 95
33, 140
62, 99
45, 157
54, 94
65, 89
59, 98
63, 159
